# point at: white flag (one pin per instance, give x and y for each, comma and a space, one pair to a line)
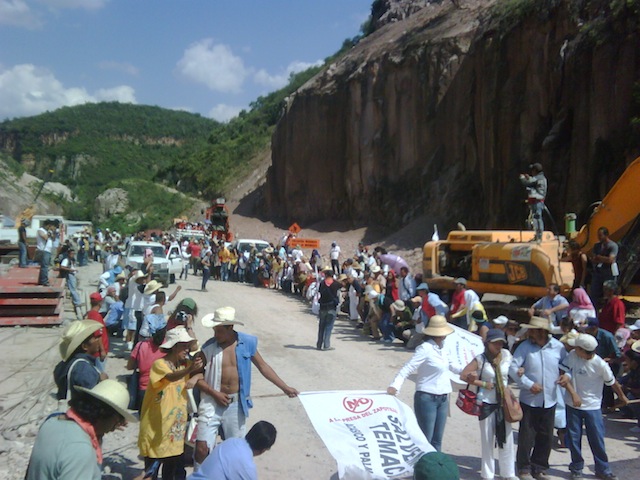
371, 435
435, 237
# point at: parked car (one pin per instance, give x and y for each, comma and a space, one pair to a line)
245, 244
165, 266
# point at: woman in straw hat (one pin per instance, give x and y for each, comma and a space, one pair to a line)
79, 345
163, 417
68, 445
489, 372
433, 384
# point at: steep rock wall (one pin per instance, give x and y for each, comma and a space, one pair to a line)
438, 114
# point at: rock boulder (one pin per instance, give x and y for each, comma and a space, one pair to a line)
113, 201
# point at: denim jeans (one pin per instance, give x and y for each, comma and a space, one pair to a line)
325, 327
431, 413
538, 220
45, 259
386, 327
535, 437
594, 426
72, 283
206, 273
23, 254
224, 272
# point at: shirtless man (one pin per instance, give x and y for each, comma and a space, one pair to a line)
226, 385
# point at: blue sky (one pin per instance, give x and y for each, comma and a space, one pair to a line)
212, 57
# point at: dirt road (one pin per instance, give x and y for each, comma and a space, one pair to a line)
286, 331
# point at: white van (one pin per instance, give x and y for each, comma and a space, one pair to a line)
245, 244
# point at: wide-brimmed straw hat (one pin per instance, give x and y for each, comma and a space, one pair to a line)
537, 322
75, 334
375, 269
221, 317
152, 286
399, 305
438, 327
114, 394
327, 268
176, 335
342, 277
139, 274
636, 346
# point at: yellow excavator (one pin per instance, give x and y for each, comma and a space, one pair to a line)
514, 263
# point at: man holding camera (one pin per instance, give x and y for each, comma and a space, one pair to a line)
536, 184
44, 246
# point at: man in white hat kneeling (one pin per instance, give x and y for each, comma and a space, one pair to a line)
226, 386
68, 445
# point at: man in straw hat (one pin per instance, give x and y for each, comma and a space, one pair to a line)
68, 445
79, 345
540, 357
226, 386
431, 362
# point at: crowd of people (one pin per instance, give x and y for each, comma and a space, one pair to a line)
568, 361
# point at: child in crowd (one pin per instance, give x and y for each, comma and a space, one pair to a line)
630, 382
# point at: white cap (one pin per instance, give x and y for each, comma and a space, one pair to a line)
501, 320
584, 341
635, 326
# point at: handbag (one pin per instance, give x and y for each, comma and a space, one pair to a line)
468, 402
511, 406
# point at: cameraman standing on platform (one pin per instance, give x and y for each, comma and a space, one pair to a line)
536, 184
44, 247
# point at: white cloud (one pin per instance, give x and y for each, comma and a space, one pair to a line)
224, 113
28, 90
18, 14
85, 4
279, 80
124, 67
213, 65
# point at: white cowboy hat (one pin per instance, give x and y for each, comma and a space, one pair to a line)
152, 286
176, 335
375, 269
438, 327
75, 334
114, 394
221, 317
537, 322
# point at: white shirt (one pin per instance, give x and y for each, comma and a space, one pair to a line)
335, 252
587, 377
487, 373
433, 365
44, 244
68, 264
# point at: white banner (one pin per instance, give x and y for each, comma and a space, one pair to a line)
371, 435
462, 346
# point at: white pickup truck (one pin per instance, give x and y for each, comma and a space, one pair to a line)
165, 266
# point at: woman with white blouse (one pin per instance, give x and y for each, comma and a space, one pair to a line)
481, 372
433, 383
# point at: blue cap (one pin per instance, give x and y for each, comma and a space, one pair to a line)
422, 286
593, 322
117, 269
495, 335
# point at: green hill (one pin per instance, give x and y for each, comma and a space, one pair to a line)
93, 147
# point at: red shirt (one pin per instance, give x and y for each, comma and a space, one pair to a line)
612, 316
145, 353
195, 250
457, 301
94, 315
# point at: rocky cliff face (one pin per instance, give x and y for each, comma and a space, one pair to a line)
439, 113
